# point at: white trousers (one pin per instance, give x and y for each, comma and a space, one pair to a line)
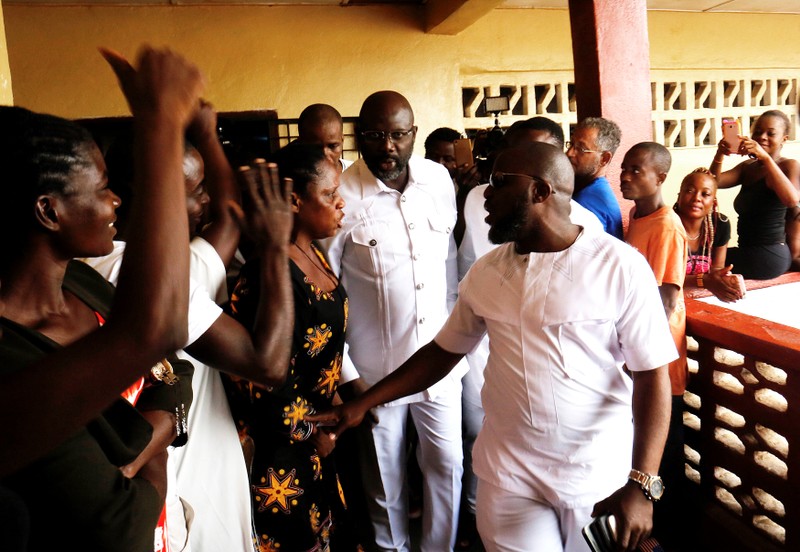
511, 523
439, 454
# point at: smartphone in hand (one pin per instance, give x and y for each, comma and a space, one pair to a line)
601, 534
731, 132
463, 151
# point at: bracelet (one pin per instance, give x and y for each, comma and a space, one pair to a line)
718, 161
699, 278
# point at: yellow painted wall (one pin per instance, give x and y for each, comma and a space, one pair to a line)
288, 57
6, 95
275, 57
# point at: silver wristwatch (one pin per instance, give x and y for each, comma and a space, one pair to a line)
652, 486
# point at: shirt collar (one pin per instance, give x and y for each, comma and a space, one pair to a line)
372, 185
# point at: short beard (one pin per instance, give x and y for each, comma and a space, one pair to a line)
394, 174
507, 230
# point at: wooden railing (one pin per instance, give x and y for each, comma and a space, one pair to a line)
743, 427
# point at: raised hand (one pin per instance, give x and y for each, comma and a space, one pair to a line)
162, 84
467, 178
203, 125
267, 218
751, 148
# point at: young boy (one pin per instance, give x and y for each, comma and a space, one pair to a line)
657, 232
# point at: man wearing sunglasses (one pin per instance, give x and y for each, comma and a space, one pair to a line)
577, 394
397, 259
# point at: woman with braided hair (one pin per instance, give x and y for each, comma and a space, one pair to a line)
707, 235
68, 348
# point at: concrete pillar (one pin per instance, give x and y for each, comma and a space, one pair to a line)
6, 97
611, 53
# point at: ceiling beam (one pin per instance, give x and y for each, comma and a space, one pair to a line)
450, 17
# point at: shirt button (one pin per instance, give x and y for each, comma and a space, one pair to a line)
373, 242
402, 198
410, 225
420, 286
416, 257
448, 230
422, 320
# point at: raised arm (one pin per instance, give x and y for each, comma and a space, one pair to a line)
148, 319
783, 177
222, 230
261, 353
729, 178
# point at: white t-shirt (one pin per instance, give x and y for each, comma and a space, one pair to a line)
561, 325
203, 311
208, 473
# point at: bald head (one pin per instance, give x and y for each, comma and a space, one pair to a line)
315, 116
544, 161
382, 105
386, 137
321, 125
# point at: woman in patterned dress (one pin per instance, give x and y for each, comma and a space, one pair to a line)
297, 499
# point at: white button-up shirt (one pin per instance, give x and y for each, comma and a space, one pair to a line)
397, 259
561, 325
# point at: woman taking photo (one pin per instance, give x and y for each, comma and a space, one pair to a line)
297, 502
770, 183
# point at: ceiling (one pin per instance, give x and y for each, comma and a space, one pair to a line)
748, 6
450, 17
715, 6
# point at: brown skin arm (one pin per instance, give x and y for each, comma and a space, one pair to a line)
783, 177
164, 433
263, 356
793, 236
669, 297
155, 472
425, 367
222, 230
148, 319
652, 405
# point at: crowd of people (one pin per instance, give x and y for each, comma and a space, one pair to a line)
490, 325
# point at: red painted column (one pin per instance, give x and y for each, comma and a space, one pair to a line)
611, 53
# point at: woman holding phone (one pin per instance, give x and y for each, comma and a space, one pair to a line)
770, 184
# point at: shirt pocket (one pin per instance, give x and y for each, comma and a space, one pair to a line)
588, 349
372, 247
439, 238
